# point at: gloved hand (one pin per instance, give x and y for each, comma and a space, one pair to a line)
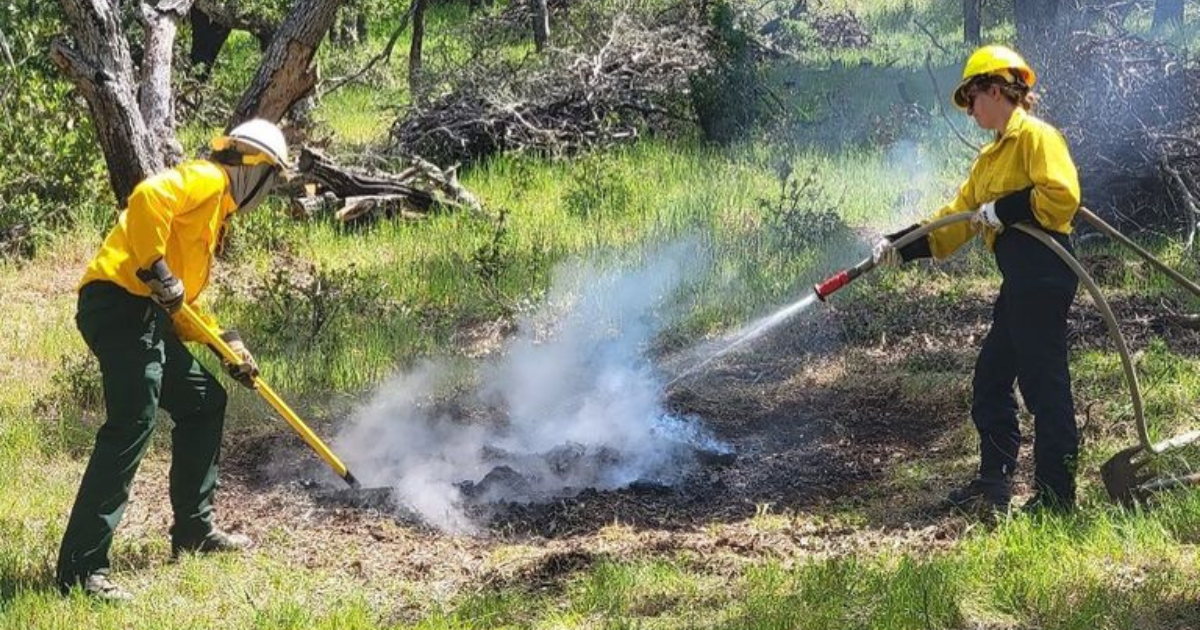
245, 371
165, 289
986, 216
884, 254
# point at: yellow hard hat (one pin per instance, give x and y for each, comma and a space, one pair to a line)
993, 60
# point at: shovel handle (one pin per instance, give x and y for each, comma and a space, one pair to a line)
213, 339
1112, 233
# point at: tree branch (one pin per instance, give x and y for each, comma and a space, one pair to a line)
384, 55
156, 97
285, 74
942, 108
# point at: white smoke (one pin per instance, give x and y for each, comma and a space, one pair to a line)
572, 401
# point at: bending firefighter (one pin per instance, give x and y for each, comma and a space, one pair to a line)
1024, 175
158, 257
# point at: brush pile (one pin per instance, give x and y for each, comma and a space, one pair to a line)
626, 77
1129, 109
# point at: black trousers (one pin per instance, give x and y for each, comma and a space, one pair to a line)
1027, 344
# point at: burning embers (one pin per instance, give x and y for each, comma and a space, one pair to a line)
567, 469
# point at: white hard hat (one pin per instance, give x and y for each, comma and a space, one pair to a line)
256, 136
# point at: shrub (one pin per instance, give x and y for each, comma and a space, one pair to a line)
53, 172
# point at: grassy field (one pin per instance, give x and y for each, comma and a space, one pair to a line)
331, 312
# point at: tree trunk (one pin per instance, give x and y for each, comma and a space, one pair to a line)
1168, 11
134, 121
541, 24
134, 115
208, 38
157, 99
415, 83
1035, 20
971, 23
348, 27
285, 74
235, 18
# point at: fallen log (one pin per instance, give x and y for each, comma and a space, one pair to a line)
320, 169
352, 195
374, 207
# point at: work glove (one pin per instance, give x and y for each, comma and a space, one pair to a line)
247, 370
884, 254
986, 217
165, 289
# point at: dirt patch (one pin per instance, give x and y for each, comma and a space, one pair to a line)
820, 416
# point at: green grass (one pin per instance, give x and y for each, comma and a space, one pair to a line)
396, 292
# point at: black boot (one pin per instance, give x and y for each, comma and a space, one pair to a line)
990, 493
1048, 502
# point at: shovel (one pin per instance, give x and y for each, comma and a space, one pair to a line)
214, 340
1125, 475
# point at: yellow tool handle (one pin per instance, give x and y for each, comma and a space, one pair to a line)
272, 398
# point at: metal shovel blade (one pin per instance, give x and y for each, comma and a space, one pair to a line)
1121, 476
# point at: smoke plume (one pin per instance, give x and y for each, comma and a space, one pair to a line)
571, 402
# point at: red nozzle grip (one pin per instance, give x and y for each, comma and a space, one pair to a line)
835, 282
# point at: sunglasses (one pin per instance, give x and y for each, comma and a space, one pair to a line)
971, 91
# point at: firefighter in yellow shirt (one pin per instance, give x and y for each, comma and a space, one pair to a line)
1024, 175
156, 258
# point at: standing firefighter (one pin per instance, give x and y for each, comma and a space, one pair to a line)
157, 258
1024, 175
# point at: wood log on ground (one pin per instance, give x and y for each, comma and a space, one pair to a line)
309, 207
342, 182
353, 196
375, 207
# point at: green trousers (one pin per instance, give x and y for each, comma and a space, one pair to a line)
144, 366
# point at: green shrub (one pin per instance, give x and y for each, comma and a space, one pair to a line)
732, 100
313, 304
52, 173
802, 216
598, 189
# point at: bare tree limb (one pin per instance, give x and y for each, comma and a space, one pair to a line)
384, 55
931, 36
4, 48
942, 108
1189, 201
156, 97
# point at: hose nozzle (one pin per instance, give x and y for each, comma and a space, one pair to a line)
841, 279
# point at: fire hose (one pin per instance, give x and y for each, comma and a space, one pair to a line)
1120, 473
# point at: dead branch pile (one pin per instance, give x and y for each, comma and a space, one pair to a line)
840, 30
799, 28
1129, 109
632, 78
354, 196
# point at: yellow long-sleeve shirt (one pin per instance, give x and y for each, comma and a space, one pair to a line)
1030, 153
176, 215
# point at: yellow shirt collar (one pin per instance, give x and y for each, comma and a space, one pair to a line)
1015, 122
